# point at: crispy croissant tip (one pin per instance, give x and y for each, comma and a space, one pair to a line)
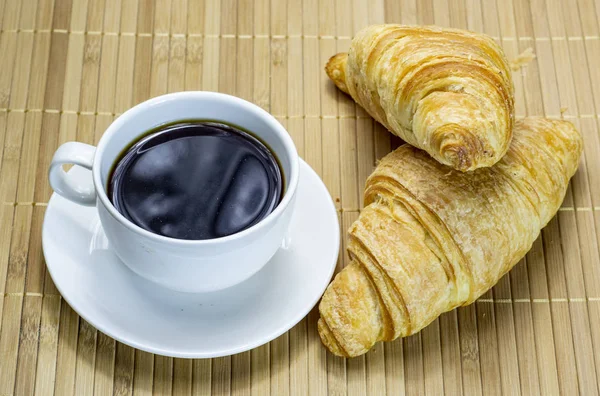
457, 146
336, 70
458, 157
329, 340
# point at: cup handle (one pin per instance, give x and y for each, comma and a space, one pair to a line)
75, 153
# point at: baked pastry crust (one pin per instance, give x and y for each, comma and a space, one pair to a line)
432, 238
446, 91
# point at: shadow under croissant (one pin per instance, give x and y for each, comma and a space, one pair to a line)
439, 353
464, 340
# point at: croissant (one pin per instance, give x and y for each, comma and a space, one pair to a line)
432, 238
446, 91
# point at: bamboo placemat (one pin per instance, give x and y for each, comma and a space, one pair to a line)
68, 67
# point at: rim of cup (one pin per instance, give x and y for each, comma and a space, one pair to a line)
137, 110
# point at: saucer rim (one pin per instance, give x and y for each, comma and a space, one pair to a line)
223, 352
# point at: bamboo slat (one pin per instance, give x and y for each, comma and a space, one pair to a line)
15, 333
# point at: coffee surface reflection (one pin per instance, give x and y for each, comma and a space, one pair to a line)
196, 180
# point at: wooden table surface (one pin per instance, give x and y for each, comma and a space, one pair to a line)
68, 67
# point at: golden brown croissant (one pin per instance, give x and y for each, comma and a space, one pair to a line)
446, 91
432, 238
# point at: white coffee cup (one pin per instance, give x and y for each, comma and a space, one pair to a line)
183, 265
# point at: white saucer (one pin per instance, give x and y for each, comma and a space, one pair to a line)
103, 291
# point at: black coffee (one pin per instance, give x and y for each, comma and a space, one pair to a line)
196, 180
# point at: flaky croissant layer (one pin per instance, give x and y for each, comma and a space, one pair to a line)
432, 238
446, 91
